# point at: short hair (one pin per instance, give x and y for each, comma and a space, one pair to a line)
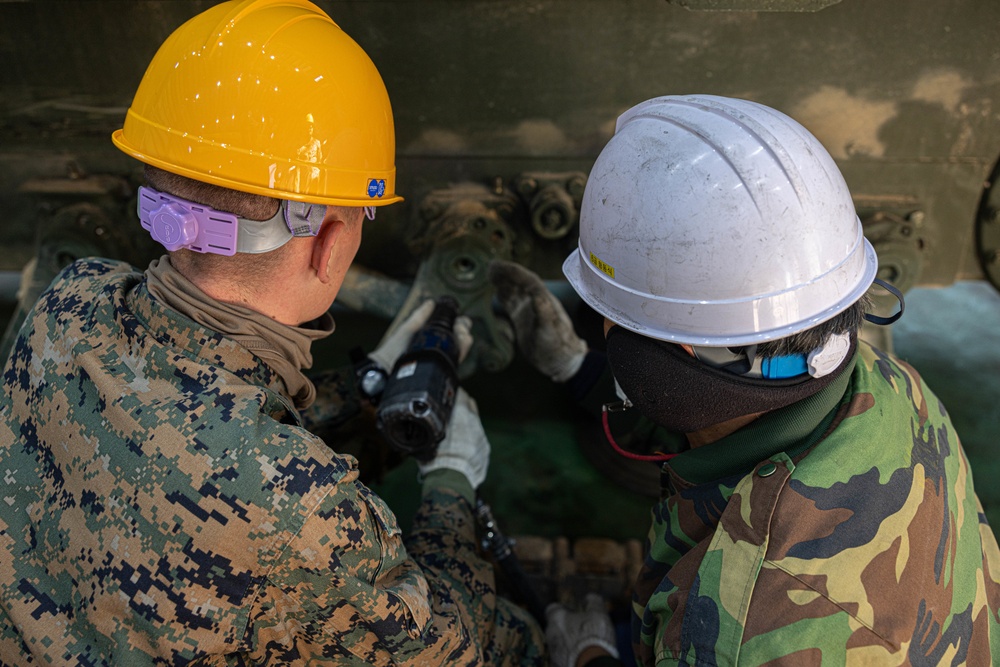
804, 342
243, 204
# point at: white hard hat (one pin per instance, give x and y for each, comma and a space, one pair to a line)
720, 222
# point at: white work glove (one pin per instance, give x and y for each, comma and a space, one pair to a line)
465, 447
395, 343
568, 633
544, 331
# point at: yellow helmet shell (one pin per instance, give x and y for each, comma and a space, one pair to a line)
269, 97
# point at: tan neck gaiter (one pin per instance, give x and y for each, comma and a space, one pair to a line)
284, 348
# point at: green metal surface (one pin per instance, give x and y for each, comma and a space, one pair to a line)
904, 93
489, 94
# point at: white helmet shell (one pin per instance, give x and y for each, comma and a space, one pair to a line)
720, 222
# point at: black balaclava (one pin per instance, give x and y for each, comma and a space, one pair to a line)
680, 393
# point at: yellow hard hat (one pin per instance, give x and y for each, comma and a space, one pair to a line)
269, 97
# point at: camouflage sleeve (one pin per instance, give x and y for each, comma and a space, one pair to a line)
337, 400
443, 541
869, 548
345, 592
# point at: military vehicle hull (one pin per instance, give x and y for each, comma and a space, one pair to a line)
501, 107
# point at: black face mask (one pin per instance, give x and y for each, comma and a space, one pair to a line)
680, 393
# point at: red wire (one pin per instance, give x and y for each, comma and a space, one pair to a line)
629, 455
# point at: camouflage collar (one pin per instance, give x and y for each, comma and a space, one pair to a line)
792, 429
198, 342
286, 349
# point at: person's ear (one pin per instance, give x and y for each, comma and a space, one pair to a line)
607, 326
324, 244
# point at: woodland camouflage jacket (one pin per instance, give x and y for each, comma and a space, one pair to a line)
161, 502
855, 539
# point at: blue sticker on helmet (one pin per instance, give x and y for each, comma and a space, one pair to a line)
376, 187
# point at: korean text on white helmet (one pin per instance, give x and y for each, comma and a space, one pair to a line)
719, 222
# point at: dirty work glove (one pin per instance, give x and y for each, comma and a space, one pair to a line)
394, 344
544, 331
568, 633
465, 447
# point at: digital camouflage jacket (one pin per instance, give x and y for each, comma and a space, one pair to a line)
162, 503
842, 530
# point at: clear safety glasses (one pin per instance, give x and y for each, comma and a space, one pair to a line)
305, 219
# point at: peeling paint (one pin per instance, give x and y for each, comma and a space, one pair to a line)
607, 128
944, 87
438, 141
847, 125
540, 135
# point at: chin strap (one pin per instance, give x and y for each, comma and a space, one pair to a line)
618, 407
878, 319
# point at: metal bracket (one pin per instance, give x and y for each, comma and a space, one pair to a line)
895, 228
457, 232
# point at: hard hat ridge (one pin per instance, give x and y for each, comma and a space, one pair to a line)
716, 221
268, 97
720, 121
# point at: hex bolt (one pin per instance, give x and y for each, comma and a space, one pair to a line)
464, 269
552, 213
553, 221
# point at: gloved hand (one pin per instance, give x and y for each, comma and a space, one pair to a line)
544, 331
465, 447
393, 345
568, 633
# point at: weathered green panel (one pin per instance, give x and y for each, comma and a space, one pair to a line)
903, 92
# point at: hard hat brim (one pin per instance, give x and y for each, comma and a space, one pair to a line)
723, 323
123, 145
